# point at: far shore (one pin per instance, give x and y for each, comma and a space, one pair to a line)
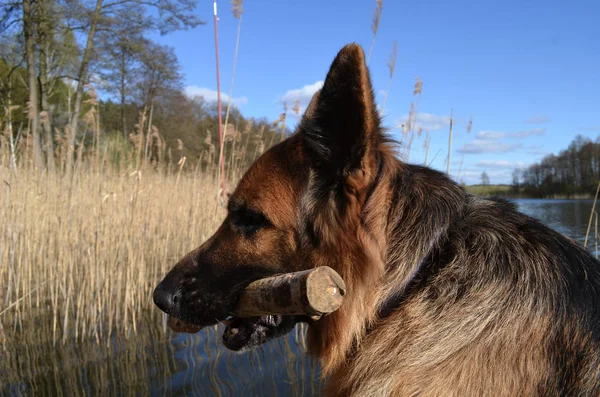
513, 192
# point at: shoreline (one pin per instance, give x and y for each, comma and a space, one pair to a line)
508, 191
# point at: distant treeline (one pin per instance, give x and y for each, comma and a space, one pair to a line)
574, 172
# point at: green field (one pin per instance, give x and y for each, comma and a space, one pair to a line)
491, 190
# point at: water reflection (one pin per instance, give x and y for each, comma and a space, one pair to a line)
155, 363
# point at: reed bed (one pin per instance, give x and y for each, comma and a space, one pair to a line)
79, 258
81, 250
89, 249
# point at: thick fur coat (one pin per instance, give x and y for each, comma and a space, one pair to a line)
447, 294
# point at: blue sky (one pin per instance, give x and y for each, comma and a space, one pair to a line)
527, 71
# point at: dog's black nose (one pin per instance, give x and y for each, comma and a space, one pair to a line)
165, 298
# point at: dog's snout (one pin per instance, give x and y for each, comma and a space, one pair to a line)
165, 297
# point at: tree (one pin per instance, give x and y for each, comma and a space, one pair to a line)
45, 27
159, 71
121, 48
166, 16
45, 50
82, 77
485, 179
32, 105
257, 135
574, 170
516, 174
13, 78
515, 177
12, 90
58, 58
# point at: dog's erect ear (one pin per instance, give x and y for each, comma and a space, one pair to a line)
341, 126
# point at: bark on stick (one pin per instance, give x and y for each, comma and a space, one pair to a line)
312, 292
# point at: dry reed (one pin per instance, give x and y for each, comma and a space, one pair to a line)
90, 247
450, 142
238, 10
375, 25
391, 64
587, 233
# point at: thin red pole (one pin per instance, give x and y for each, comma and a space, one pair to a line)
221, 163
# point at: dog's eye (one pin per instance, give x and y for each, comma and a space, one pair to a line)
248, 221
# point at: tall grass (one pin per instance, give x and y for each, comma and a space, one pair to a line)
391, 67
81, 252
592, 213
90, 250
450, 143
375, 25
88, 245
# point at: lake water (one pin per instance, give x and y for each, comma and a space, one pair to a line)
569, 217
158, 362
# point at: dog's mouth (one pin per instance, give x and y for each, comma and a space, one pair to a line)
243, 333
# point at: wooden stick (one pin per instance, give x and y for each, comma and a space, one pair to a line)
312, 292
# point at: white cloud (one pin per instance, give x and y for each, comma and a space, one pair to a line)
429, 122
495, 135
486, 146
537, 120
303, 95
211, 95
500, 164
539, 152
528, 133
536, 150
472, 173
472, 176
490, 135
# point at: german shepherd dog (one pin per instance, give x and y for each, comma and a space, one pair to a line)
448, 294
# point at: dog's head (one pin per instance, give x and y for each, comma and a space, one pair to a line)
299, 202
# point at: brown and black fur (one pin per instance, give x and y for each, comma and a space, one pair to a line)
448, 294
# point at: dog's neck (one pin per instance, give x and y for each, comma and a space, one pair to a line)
414, 240
396, 249
394, 297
